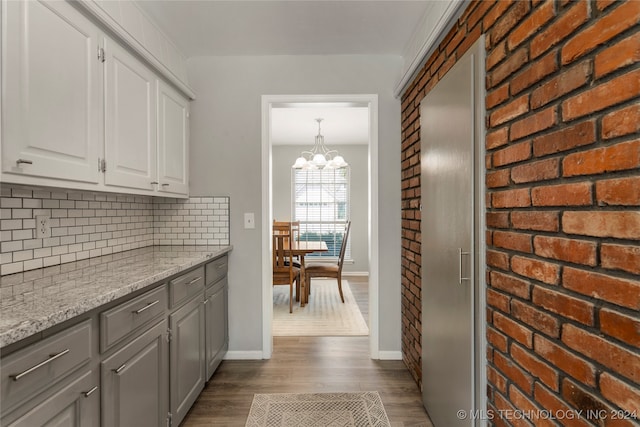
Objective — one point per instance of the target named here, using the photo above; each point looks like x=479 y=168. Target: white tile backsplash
x=88 y=224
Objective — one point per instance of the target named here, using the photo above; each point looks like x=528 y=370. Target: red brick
x=498 y=219
x=575 y=194
x=586 y=400
x=498 y=300
x=498 y=259
x=565 y=139
x=536 y=71
x=497 y=379
x=512 y=154
x=565 y=82
x=620 y=257
x=552 y=403
x=621 y=224
x=621 y=122
x=511 y=198
x=620 y=326
x=619 y=191
x=535 y=318
x=513 y=63
x=623 y=292
x=497 y=96
x=468 y=41
x=564 y=305
x=536 y=171
x=604 y=29
x=566 y=361
x=476 y=15
x=620 y=393
x=535 y=269
x=496 y=12
x=532 y=24
x=620 y=360
x=499 y=178
x=623 y=156
x=575 y=251
x=515 y=241
x=497 y=138
x=496 y=339
x=603 y=4
x=513 y=286
x=622 y=54
x=498 y=53
x=526 y=406
x=605 y=95
x=510 y=111
x=508 y=21
x=513 y=372
x=535 y=123
x=560 y=29
x=535 y=220
x=535 y=366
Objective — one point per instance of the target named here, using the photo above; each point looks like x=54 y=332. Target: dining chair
x=284 y=272
x=291 y=228
x=326 y=270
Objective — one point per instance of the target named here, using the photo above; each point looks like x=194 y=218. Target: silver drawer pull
x=146 y=307
x=460 y=254
x=90 y=392
x=221 y=266
x=51 y=358
x=118 y=370
x=24 y=162
x=194 y=280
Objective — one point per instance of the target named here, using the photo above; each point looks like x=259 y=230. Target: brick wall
x=563 y=197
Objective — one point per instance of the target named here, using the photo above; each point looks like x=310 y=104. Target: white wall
x=283 y=157
x=226 y=160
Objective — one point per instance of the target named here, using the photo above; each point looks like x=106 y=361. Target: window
x=321 y=203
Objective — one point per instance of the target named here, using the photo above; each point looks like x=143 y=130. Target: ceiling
x=295 y=27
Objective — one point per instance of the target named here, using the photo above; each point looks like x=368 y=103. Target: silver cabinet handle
x=118 y=370
x=460 y=278
x=90 y=392
x=146 y=307
x=51 y=358
x=24 y=161
x=194 y=280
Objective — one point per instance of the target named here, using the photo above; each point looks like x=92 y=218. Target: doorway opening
x=280 y=151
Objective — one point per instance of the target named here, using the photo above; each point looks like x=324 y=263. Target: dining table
x=300 y=248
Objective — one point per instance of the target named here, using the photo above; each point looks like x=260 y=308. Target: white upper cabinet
x=51 y=92
x=173 y=137
x=130 y=120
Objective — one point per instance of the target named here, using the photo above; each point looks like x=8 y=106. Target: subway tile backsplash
x=88 y=224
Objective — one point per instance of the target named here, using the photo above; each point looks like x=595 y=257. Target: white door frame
x=371 y=101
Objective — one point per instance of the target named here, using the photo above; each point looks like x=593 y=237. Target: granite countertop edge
x=23 y=323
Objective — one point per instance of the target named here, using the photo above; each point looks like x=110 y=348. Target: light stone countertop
x=33 y=301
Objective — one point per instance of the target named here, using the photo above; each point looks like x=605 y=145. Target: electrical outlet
x=43 y=226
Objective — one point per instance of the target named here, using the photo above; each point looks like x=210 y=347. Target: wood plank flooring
x=310 y=365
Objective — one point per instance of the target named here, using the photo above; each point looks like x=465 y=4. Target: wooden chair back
x=282 y=265
x=343 y=247
x=291 y=228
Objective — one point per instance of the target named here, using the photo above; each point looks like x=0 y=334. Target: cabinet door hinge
x=169 y=419
x=169 y=335
x=101 y=57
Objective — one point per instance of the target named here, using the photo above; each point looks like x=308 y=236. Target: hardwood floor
x=310 y=365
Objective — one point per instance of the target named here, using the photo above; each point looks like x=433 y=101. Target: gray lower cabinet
x=216 y=324
x=187 y=352
x=134 y=381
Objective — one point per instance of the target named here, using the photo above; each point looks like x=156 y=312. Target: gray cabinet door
x=187 y=364
x=134 y=385
x=216 y=325
x=75 y=404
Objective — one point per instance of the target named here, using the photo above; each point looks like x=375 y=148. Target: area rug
x=318 y=410
x=324 y=315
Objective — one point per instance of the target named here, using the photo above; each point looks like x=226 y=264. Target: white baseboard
x=243 y=355
x=347 y=274
x=390 y=355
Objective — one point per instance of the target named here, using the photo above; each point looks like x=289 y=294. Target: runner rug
x=318 y=410
x=324 y=315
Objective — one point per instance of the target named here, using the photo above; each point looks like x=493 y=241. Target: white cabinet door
x=52 y=92
x=173 y=138
x=130 y=121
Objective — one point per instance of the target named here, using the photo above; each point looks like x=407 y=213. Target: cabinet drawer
x=184 y=287
x=216 y=269
x=31 y=370
x=120 y=321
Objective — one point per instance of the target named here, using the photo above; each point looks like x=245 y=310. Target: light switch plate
x=249 y=220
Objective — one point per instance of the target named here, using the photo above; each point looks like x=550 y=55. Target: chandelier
x=319 y=157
